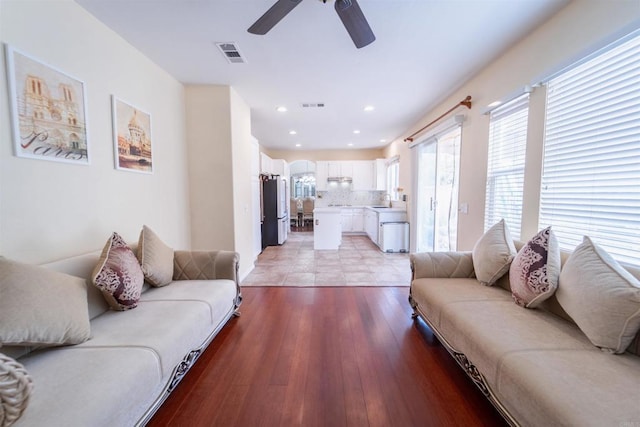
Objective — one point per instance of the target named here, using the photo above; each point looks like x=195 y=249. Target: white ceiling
x=424 y=50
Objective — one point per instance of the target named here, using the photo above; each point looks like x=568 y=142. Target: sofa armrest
x=441 y=264
x=205 y=265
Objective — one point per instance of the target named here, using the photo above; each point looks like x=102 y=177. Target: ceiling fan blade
x=272 y=16
x=354 y=21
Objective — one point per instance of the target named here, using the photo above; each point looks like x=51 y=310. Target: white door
x=437 y=193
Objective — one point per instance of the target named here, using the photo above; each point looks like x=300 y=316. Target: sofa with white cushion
x=91 y=362
x=551 y=338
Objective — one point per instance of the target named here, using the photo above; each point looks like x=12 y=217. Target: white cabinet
x=352 y=220
x=346 y=220
x=273 y=166
x=326 y=228
x=334 y=169
x=371 y=225
x=266 y=164
x=367 y=175
x=339 y=168
x=357 y=221
x=280 y=167
x=380 y=175
x=363 y=175
x=322 y=173
x=346 y=169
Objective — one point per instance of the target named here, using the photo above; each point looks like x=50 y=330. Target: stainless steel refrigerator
x=275 y=215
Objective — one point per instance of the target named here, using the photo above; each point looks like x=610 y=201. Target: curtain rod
x=465 y=102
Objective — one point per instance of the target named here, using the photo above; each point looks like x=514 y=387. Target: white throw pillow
x=535 y=271
x=41 y=307
x=155 y=257
x=493 y=253
x=601 y=297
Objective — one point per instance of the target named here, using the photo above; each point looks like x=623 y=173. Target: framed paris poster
x=131 y=137
x=48 y=110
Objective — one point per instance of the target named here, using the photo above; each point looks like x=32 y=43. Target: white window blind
x=505 y=169
x=591 y=177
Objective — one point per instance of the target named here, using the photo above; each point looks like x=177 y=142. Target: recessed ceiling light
x=356 y=131
x=383 y=140
x=298 y=145
x=369 y=108
x=350 y=144
x=281 y=109
x=292 y=132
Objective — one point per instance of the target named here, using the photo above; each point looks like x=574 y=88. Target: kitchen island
x=327 y=228
x=331 y=221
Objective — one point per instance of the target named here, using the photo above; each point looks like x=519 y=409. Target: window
x=591 y=176
x=505 y=169
x=303 y=186
x=393 y=179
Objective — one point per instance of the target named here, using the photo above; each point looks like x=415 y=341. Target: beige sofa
x=535 y=365
x=134 y=358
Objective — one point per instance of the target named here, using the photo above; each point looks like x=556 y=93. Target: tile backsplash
x=345 y=196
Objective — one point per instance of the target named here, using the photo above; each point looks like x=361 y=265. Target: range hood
x=340 y=179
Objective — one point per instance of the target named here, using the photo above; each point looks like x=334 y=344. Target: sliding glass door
x=438 y=165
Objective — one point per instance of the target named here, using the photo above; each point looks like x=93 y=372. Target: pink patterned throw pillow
x=535 y=271
x=118 y=274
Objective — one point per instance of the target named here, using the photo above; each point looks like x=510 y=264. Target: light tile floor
x=358 y=262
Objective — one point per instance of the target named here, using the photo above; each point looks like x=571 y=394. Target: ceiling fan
x=348 y=10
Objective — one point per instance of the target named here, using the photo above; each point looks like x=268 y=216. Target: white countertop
x=337 y=209
x=328 y=210
x=382 y=210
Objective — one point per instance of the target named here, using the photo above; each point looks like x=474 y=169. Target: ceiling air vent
x=312 y=104
x=231 y=52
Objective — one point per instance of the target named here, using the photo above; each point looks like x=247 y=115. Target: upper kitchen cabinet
x=280 y=167
x=333 y=168
x=363 y=175
x=339 y=169
x=271 y=166
x=367 y=175
x=322 y=173
x=266 y=164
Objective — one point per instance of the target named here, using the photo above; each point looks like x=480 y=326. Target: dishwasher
x=394 y=236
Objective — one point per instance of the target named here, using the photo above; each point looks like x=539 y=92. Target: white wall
x=579 y=28
x=210 y=166
x=242 y=191
x=50 y=210
x=220 y=142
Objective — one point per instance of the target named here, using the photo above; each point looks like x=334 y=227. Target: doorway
x=438 y=170
x=303 y=194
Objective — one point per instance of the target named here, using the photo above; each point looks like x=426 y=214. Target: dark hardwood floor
x=348 y=356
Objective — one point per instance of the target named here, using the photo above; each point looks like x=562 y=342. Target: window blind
x=505 y=166
x=591 y=176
